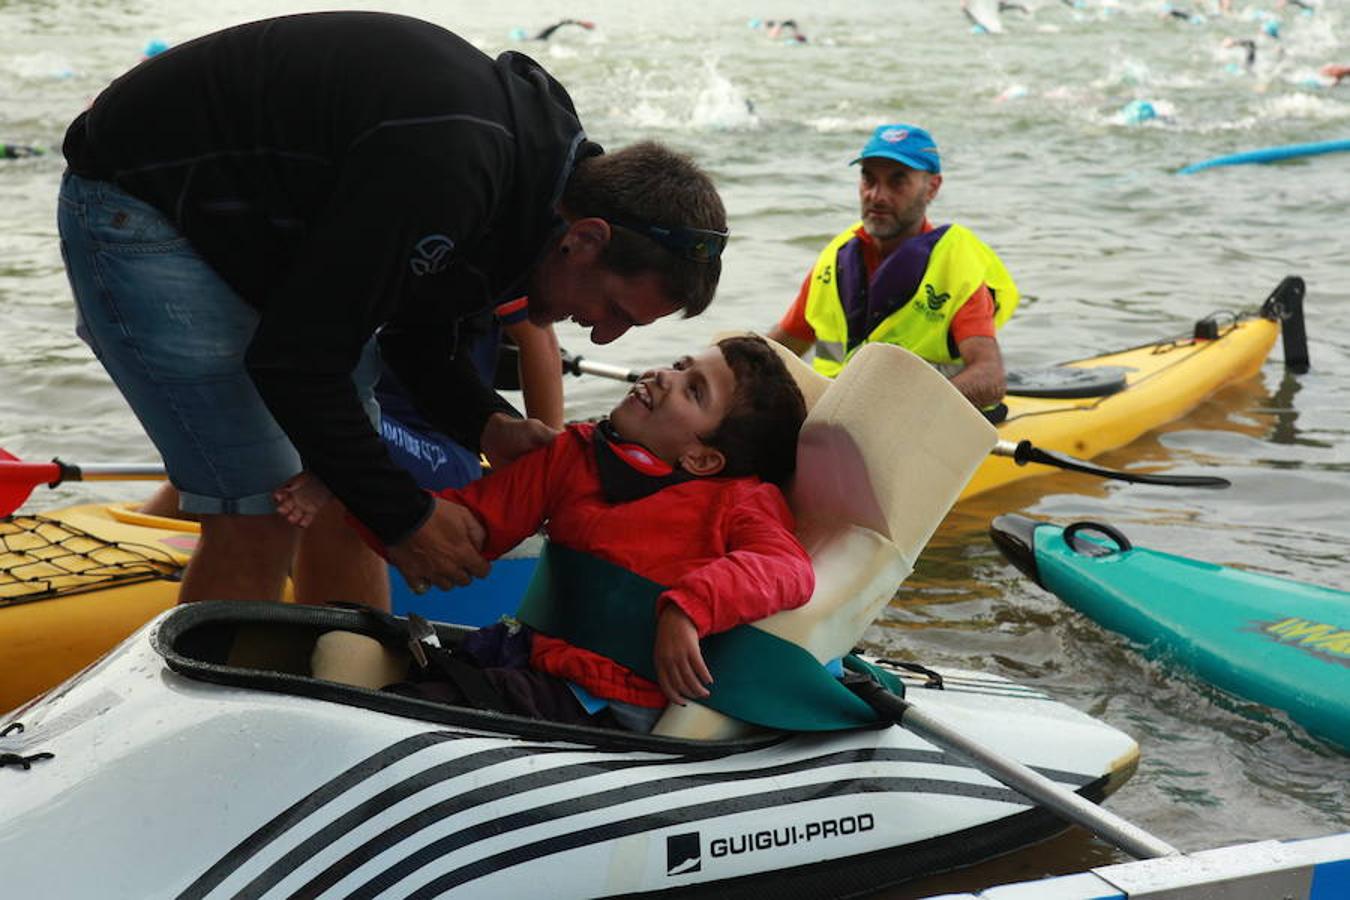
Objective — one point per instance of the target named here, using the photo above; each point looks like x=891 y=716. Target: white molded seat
x=886 y=450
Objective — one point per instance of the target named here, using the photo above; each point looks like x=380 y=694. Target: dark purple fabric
x=497 y=676
x=542 y=696
x=867 y=302
x=851 y=271
x=498 y=646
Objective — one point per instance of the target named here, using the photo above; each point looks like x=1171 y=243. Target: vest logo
x=684 y=853
x=826 y=275
x=432 y=255
x=935 y=300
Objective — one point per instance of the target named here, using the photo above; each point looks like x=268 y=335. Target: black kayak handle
x=1091 y=548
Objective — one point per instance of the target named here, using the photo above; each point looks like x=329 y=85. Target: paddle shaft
x=55 y=472
x=579 y=365
x=1063 y=802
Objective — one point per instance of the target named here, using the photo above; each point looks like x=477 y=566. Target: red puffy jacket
x=724 y=547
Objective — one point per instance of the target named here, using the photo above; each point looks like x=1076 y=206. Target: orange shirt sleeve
x=794 y=320
x=975 y=318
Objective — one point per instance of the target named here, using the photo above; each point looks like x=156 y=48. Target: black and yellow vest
x=909 y=301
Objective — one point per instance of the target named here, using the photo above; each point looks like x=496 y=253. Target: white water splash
x=722 y=106
x=39 y=67
x=1315 y=107
x=712 y=102
x=1125 y=73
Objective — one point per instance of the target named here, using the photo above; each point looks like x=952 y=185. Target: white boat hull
x=165 y=785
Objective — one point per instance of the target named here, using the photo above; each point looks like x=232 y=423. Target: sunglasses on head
x=698 y=245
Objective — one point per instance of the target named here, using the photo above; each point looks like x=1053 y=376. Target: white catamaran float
x=245 y=750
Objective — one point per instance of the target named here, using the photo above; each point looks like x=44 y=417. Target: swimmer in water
x=1247 y=44
x=1336 y=72
x=1269 y=28
x=20 y=151
x=547 y=33
x=978 y=26
x=778 y=29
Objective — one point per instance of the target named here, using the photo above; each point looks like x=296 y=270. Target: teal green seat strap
x=757 y=677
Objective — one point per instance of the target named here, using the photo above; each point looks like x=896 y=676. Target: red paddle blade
x=18 y=478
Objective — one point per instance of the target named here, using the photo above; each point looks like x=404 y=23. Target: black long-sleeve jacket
x=348 y=173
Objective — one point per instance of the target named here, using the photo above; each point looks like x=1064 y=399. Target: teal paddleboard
x=1279 y=642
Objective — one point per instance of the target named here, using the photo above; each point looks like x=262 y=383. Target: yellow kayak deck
x=1164 y=381
x=77 y=581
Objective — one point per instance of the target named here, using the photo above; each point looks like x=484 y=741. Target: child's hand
x=299 y=499
x=680 y=669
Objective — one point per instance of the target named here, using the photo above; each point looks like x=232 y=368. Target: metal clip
x=421 y=634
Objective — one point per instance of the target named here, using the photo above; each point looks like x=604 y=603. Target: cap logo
x=894 y=135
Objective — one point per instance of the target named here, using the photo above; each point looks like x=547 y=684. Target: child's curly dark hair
x=758 y=436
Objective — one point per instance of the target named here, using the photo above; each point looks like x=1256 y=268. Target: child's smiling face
x=671 y=410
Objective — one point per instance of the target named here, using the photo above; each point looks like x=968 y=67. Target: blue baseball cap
x=907 y=144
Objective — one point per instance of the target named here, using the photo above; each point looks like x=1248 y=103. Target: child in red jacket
x=680 y=486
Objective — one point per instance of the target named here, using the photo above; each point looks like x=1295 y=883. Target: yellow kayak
x=76 y=582
x=1162 y=381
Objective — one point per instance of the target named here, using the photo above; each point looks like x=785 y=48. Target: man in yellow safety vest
x=939 y=292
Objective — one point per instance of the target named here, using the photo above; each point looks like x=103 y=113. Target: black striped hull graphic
x=408 y=845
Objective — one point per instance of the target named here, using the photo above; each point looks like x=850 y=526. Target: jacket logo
x=935 y=300
x=431 y=255
x=400 y=438
x=684 y=853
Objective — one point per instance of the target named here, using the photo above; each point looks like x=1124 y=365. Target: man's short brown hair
x=758 y=436
x=652 y=184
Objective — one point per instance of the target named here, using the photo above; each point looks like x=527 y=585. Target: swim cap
x=1138 y=111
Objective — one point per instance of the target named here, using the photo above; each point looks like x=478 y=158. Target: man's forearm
x=983 y=385
x=982 y=381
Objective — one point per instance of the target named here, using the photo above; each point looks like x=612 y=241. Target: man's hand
x=680 y=669
x=505 y=438
x=445 y=552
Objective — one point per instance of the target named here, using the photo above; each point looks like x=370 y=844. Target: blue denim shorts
x=172 y=334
